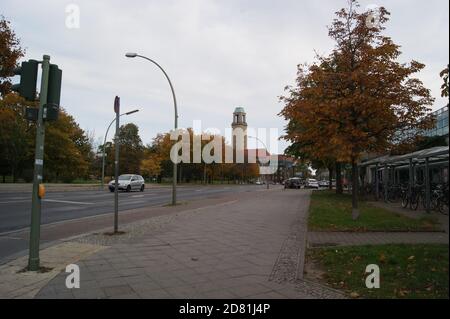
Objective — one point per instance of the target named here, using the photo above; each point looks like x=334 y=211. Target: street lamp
x=104 y=142
x=258 y=140
x=174 y=183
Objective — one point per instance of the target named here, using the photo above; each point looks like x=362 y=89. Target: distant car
x=312 y=183
x=293 y=183
x=324 y=183
x=258 y=183
x=128 y=182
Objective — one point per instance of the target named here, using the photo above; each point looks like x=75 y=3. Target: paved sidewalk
x=248 y=248
x=16 y=283
x=321 y=239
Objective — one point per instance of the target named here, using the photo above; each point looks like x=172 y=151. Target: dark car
x=293 y=183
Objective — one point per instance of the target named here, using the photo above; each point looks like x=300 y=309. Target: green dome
x=239 y=110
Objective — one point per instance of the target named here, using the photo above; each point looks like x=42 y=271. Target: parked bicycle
x=414 y=198
x=440 y=199
x=395 y=193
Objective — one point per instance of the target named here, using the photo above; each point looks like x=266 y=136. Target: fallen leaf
x=354 y=295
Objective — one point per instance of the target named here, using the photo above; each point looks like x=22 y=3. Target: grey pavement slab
x=224 y=251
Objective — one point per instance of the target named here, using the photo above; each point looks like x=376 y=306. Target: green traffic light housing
x=28 y=78
x=54 y=85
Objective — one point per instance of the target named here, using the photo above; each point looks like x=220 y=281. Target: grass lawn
x=406 y=271
x=331 y=212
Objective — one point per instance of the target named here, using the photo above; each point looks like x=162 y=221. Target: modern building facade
x=441 y=127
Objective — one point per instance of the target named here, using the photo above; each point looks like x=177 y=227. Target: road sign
x=117 y=105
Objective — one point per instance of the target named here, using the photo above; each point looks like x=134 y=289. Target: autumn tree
x=10 y=53
x=157 y=161
x=67 y=150
x=15 y=137
x=359 y=99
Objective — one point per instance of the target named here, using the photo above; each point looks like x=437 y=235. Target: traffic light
x=28 y=78
x=54 y=85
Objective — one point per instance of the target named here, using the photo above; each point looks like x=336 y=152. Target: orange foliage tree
x=359 y=99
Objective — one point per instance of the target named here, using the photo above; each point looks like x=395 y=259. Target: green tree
x=15 y=137
x=131 y=150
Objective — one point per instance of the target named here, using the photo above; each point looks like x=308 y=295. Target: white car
x=324 y=183
x=312 y=183
x=128 y=183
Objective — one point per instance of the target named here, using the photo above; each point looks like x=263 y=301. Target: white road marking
x=137 y=196
x=66 y=202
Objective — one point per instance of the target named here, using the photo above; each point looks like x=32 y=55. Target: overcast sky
x=219 y=54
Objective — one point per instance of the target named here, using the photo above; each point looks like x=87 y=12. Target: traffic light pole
x=35 y=231
x=116 y=173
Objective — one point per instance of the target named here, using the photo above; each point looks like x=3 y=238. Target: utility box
x=31 y=114
x=51 y=112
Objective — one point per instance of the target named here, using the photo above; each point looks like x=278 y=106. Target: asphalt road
x=15 y=208
x=60 y=208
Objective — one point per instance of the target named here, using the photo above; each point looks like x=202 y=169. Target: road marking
x=66 y=202
x=137 y=196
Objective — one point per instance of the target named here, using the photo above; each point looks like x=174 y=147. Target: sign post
x=116 y=166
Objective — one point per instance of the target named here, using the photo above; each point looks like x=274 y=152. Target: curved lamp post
x=258 y=140
x=174 y=183
x=104 y=142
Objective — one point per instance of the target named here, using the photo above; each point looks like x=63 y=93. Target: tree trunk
x=339 y=189
x=355 y=176
x=330 y=177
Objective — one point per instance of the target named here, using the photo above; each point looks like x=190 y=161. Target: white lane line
x=137 y=196
x=66 y=202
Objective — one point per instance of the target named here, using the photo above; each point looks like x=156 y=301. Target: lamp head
x=131 y=55
x=131 y=112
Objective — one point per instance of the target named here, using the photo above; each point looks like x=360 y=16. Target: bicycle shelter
x=416 y=165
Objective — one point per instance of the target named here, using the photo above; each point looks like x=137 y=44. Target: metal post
x=411 y=180
x=377 y=183
x=385 y=181
x=427 y=185
x=35 y=231
x=103 y=155
x=175 y=173
x=116 y=170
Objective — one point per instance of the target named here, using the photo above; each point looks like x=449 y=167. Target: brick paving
x=321 y=239
x=248 y=248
